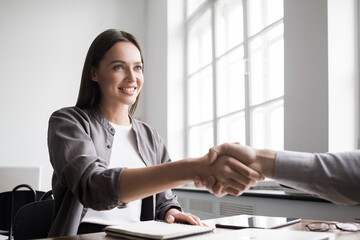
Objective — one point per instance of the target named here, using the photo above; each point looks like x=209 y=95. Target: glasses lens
x=318 y=226
x=350 y=227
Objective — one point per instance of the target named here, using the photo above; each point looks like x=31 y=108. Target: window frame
x=248 y=108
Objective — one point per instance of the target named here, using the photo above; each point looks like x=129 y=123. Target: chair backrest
x=34 y=220
x=11 y=202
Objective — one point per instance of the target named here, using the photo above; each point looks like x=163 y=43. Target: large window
x=234 y=74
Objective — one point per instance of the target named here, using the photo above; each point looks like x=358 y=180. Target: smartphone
x=248 y=221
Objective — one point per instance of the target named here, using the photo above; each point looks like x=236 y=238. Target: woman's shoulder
x=70 y=111
x=73 y=113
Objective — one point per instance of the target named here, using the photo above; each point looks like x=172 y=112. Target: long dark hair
x=89 y=93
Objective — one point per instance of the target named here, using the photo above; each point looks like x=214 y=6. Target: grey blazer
x=80 y=143
x=332 y=176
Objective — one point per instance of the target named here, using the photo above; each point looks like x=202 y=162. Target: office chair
x=11 y=202
x=34 y=220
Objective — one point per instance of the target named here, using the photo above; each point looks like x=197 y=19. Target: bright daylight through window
x=234 y=73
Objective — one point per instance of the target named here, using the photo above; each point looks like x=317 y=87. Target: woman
x=109 y=167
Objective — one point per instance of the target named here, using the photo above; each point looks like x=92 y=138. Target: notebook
x=155 y=230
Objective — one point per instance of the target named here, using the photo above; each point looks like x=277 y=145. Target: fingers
x=235 y=169
x=233 y=187
x=229 y=173
x=210 y=182
x=195 y=220
x=184 y=218
x=170 y=219
x=236 y=150
x=242 y=169
x=215 y=187
x=236 y=192
x=218 y=190
x=216 y=151
x=198 y=182
x=229 y=168
x=212 y=156
x=226 y=148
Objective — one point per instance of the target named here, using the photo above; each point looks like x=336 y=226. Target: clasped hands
x=235 y=168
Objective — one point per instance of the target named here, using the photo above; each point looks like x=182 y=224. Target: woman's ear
x=93 y=74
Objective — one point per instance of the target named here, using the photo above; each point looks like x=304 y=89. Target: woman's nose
x=131 y=76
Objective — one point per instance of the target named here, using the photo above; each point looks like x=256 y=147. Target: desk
x=340 y=235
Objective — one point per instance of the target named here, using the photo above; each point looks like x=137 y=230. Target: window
x=234 y=74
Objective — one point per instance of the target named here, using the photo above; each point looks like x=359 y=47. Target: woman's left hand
x=174 y=215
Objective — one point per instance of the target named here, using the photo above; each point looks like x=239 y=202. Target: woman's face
x=119 y=75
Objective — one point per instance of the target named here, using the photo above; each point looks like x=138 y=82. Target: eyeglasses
x=324 y=226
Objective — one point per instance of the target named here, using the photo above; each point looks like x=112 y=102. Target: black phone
x=246 y=221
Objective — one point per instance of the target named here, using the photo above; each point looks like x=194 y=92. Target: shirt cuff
x=293 y=167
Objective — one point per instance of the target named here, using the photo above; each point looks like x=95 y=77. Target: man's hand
x=260 y=161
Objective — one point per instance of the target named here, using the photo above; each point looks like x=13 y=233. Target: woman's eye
x=118 y=67
x=138 y=67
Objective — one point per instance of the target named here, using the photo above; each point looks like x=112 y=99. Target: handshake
x=232 y=168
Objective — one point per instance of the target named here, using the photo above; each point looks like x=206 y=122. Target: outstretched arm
x=332 y=176
x=143 y=182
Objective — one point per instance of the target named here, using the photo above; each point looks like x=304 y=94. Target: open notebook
x=155 y=230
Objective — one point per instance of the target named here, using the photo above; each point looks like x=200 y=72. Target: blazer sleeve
x=76 y=162
x=332 y=176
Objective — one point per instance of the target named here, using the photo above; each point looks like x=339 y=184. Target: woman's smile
x=129 y=90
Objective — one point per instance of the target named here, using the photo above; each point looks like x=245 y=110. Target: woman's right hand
x=225 y=174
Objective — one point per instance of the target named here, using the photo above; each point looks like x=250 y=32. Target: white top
x=123 y=154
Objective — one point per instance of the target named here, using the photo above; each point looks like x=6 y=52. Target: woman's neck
x=118 y=115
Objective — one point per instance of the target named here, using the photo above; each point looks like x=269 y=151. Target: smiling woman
x=89 y=95
x=108 y=166
x=120 y=78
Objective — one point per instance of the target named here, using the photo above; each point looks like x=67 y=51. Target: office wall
x=43 y=44
x=343 y=74
x=306 y=75
x=321 y=75
x=155 y=85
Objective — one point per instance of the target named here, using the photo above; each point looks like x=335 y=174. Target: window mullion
x=213 y=34
x=186 y=84
x=246 y=77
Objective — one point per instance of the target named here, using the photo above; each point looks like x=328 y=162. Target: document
x=155 y=230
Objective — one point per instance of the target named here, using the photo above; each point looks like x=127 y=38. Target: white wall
x=175 y=76
x=321 y=75
x=43 y=44
x=343 y=74
x=306 y=75
x=155 y=84
x=163 y=98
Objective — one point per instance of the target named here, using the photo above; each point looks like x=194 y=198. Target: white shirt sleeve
x=332 y=176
